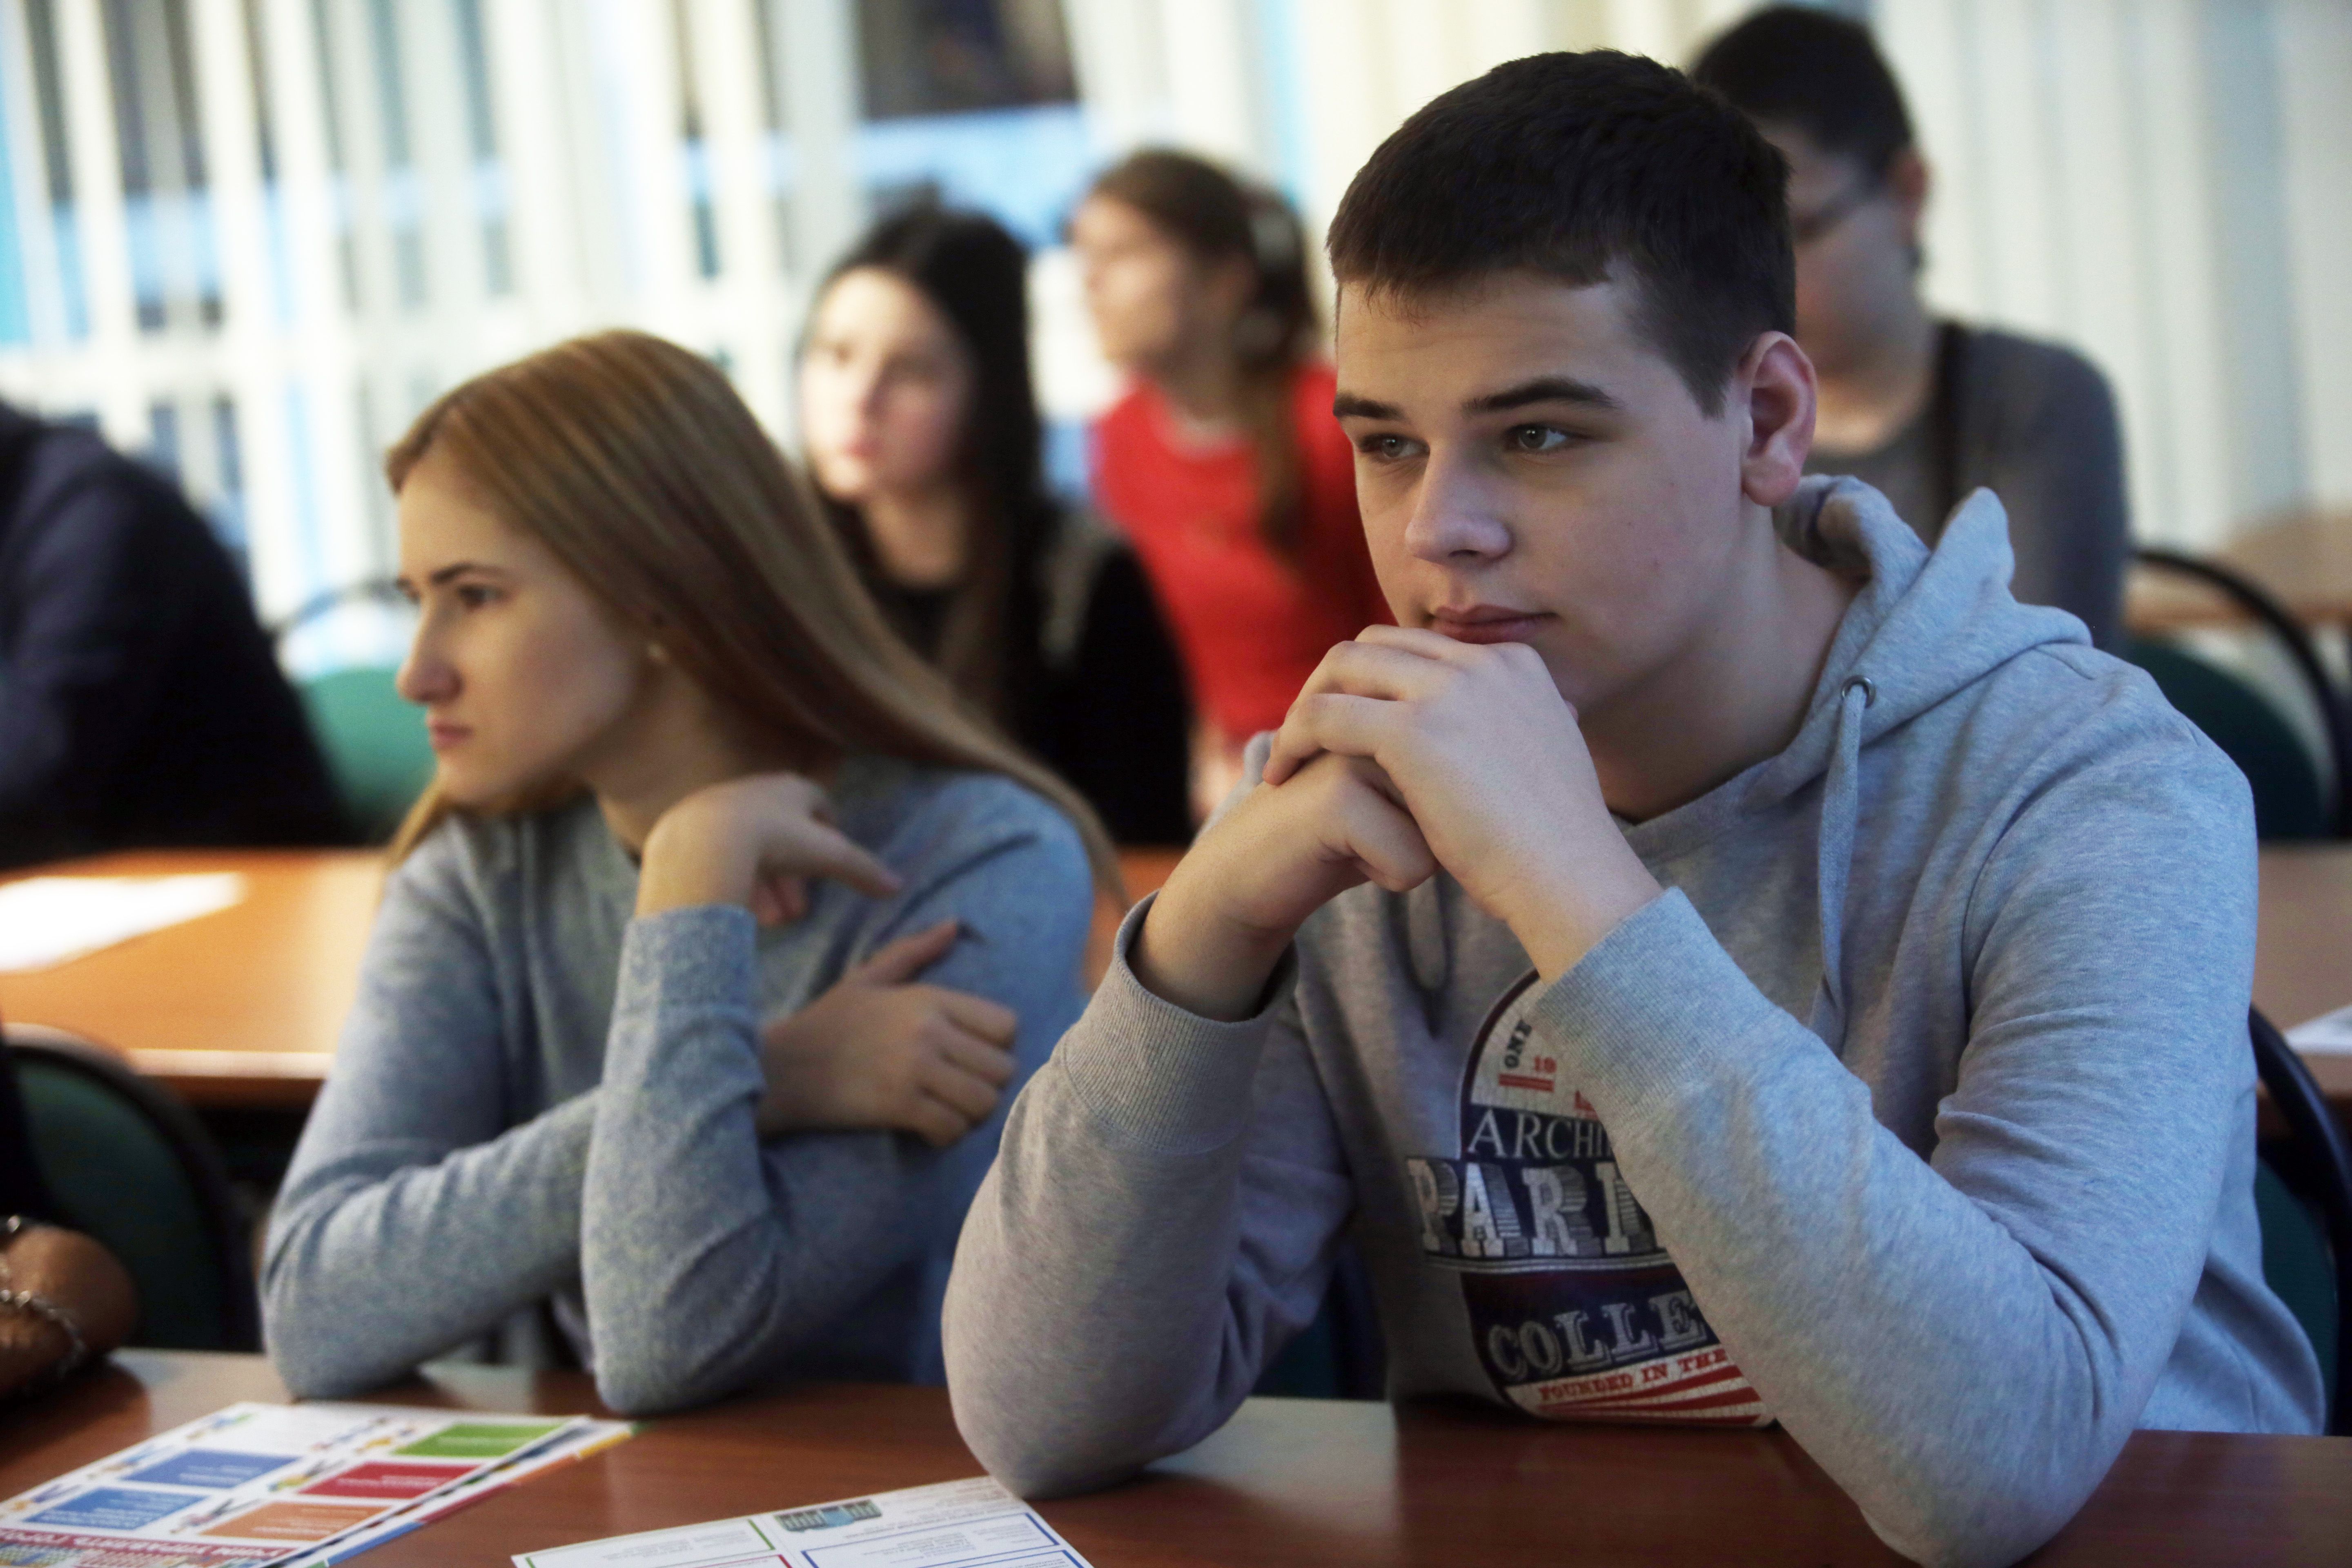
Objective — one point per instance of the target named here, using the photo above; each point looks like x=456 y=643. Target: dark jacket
x=1094 y=688
x=140 y=703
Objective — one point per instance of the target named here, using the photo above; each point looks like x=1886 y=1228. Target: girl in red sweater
x=1222 y=464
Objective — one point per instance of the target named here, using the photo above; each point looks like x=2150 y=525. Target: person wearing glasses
x=1926 y=410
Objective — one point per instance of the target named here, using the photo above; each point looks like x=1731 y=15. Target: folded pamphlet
x=2330 y=1033
x=274 y=1485
x=956 y=1524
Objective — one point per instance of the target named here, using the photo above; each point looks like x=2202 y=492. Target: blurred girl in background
x=921 y=431
x=1223 y=463
x=638 y=1034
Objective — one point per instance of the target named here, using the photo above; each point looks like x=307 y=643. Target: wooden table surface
x=243 y=1007
x=1289 y=1482
x=2305 y=562
x=2302 y=955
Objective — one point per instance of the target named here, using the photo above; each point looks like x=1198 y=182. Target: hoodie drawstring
x=1840 y=803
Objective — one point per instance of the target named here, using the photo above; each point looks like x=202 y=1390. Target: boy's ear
x=1908 y=182
x=1773 y=387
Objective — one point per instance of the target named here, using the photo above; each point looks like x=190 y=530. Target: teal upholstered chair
x=127 y=1165
x=374 y=745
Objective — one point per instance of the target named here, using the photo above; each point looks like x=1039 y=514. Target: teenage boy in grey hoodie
x=1795 y=982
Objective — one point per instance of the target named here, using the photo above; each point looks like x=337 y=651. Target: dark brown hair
x=1792 y=65
x=636 y=464
x=1585 y=167
x=1217 y=218
x=976 y=275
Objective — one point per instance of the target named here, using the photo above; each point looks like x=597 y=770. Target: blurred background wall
x=252 y=238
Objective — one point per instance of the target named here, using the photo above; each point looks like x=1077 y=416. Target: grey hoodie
x=1917 y=1115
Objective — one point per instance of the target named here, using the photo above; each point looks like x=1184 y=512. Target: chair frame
x=189 y=1142
x=2320 y=1171
x=2334 y=705
x=367 y=591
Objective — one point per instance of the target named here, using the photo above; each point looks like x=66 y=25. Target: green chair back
x=132 y=1169
x=375 y=742
x=2297 y=1264
x=2288 y=800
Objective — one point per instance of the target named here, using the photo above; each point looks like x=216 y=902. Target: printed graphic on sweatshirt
x=1577 y=1311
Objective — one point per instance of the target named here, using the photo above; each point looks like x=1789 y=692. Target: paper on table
x=950 y=1525
x=45 y=920
x=585 y=1438
x=2330 y=1033
x=255 y=1486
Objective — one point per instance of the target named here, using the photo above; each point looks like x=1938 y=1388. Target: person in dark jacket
x=1924 y=411
x=140 y=703
x=922 y=436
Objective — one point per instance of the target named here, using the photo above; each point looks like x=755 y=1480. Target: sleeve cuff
x=1654 y=1007
x=1165 y=1080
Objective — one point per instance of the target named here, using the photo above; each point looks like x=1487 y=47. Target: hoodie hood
x=1926 y=624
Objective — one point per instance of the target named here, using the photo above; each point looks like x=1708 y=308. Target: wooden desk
x=243 y=1007
x=239 y=1008
x=2302 y=955
x=1289 y=1482
x=2304 y=561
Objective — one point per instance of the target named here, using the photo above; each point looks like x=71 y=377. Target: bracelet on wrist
x=32 y=1304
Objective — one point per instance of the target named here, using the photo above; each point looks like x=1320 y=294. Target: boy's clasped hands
x=1407 y=752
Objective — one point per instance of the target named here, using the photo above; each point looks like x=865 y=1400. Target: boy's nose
x=1452 y=517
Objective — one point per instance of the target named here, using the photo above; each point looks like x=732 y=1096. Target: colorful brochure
x=957 y=1524
x=270 y=1486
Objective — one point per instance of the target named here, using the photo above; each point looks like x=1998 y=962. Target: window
x=150 y=66
x=972 y=103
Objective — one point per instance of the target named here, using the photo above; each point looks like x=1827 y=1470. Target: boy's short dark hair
x=1795 y=66
x=1572 y=166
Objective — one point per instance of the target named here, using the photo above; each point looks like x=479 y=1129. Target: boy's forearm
x=1087 y=1319
x=1966 y=1390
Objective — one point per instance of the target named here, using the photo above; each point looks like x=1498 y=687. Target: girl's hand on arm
x=880 y=1052
x=753 y=842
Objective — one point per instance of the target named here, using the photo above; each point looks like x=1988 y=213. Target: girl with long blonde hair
x=640 y=1035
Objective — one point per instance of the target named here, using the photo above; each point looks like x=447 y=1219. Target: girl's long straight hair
x=976 y=275
x=636 y=464
x=1217 y=218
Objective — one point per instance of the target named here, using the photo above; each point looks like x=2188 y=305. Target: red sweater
x=1251 y=626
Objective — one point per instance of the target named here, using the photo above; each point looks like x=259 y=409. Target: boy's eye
x=1537 y=438
x=474 y=595
x=1386 y=448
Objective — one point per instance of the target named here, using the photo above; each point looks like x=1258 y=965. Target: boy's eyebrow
x=456 y=570
x=1348 y=405
x=1542 y=389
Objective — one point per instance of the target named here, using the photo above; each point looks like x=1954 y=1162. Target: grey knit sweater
x=538 y=1098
